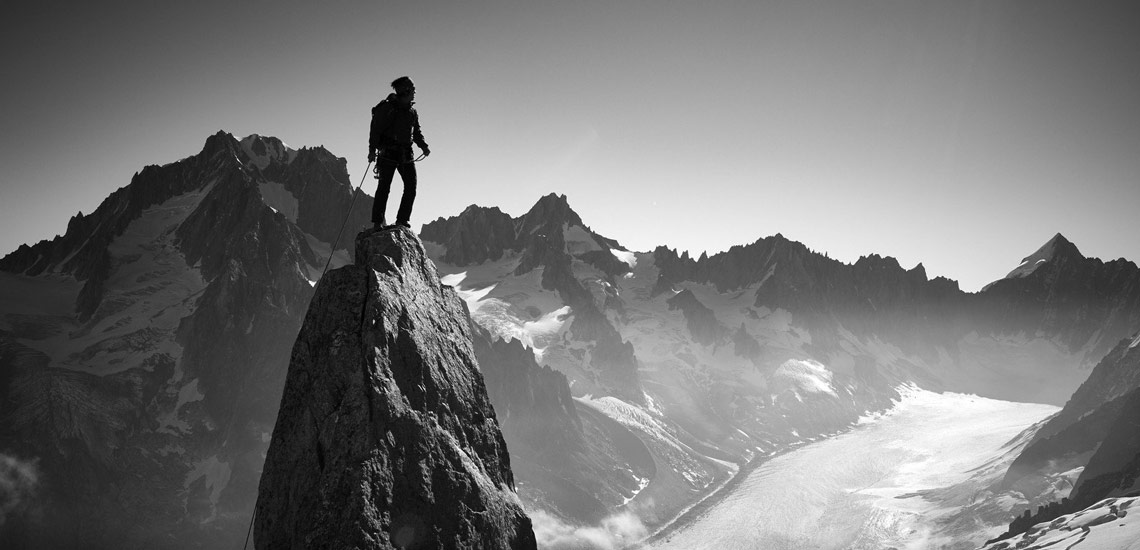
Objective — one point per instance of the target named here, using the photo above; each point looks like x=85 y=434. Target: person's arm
x=418 y=136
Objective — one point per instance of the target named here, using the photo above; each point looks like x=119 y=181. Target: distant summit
x=1056 y=247
x=263 y=150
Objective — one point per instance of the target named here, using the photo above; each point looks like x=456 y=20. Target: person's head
x=405 y=89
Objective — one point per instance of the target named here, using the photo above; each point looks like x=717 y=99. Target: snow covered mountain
x=142 y=352
x=751 y=351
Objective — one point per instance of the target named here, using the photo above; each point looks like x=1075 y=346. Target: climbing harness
x=397 y=163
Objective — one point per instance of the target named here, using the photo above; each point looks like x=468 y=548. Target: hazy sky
x=962 y=135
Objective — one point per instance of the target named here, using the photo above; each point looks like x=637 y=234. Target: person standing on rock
x=395 y=126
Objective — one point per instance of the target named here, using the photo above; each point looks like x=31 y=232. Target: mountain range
x=143 y=353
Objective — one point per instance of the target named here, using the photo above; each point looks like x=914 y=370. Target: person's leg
x=408 y=174
x=385 y=170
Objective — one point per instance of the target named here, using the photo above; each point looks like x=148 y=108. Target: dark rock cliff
x=1099 y=429
x=532 y=401
x=1115 y=467
x=1079 y=428
x=699 y=319
x=478 y=234
x=577 y=464
x=386 y=437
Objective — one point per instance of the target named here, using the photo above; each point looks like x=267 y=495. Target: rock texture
x=385 y=436
x=576 y=464
x=551 y=237
x=1085 y=305
x=1099 y=430
x=143 y=352
x=1074 y=433
x=1115 y=467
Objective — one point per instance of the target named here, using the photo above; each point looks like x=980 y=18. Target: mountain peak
x=1055 y=248
x=554 y=198
x=221 y=140
x=550 y=210
x=262 y=150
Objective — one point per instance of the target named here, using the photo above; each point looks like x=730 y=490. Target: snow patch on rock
x=629 y=258
x=280 y=199
x=216 y=474
x=805 y=375
x=263 y=150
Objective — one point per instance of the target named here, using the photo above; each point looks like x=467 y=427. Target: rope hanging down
x=250 y=530
x=346 y=216
x=332 y=251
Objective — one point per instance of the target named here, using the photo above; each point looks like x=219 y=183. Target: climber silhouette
x=395 y=125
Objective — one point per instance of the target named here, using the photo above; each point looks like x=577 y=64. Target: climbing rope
x=347 y=215
x=250 y=530
x=332 y=251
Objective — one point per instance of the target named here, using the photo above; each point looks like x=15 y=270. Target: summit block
x=386 y=437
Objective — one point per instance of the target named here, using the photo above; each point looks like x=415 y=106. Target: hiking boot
x=379 y=226
x=403 y=224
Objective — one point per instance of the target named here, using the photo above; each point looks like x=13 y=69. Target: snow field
x=858 y=490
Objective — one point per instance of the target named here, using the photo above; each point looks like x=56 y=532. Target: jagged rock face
x=551 y=238
x=1083 y=302
x=700 y=320
x=145 y=370
x=810 y=284
x=1115 y=467
x=1070 y=438
x=532 y=402
x=475 y=236
x=578 y=465
x=1112 y=471
x=874 y=297
x=1116 y=375
x=385 y=437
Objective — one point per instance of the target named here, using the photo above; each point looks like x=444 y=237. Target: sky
x=960 y=135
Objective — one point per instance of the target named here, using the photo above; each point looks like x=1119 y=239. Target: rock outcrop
x=1071 y=436
x=700 y=320
x=1098 y=430
x=386 y=437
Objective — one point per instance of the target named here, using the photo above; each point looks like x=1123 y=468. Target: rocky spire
x=386 y=437
x=1057 y=248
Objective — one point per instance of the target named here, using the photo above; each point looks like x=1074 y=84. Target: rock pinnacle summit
x=386 y=437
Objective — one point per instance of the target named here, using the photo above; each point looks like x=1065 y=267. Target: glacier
x=882 y=484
